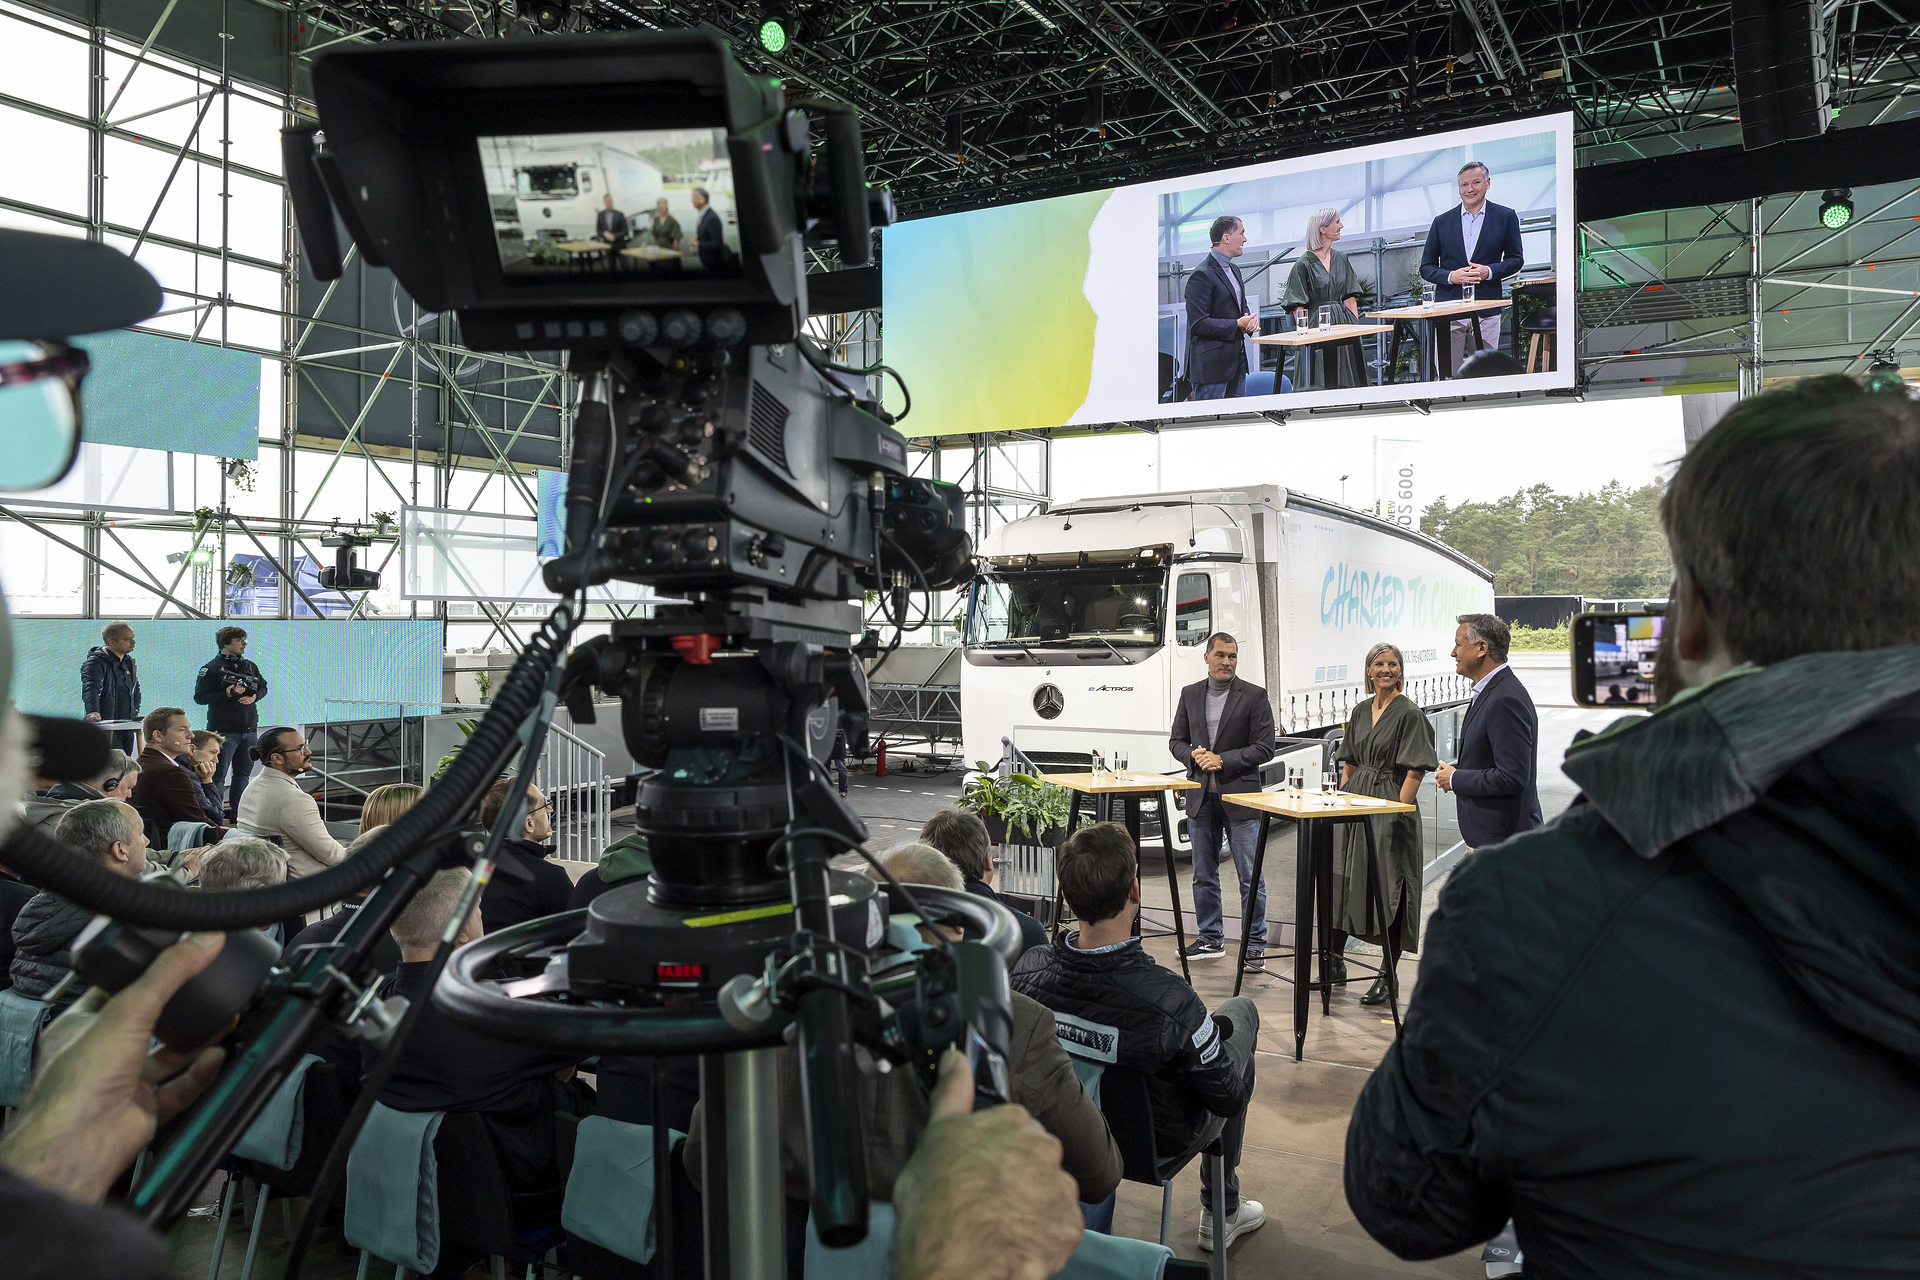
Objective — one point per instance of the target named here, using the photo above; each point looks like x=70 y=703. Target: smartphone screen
x=1613 y=658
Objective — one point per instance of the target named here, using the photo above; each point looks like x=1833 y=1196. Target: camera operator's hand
x=984 y=1196
x=100 y=1094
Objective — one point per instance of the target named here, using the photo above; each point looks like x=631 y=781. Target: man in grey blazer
x=1223 y=733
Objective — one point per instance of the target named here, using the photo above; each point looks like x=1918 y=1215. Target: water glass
x=1099 y=764
x=1119 y=761
x=1324 y=316
x=1427 y=295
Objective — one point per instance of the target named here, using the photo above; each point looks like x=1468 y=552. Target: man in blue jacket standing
x=230 y=688
x=110 y=683
x=1470 y=249
x=1493 y=781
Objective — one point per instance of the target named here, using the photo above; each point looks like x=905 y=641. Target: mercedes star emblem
x=1049 y=701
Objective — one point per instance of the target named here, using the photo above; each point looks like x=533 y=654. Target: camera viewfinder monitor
x=1613 y=658
x=644 y=204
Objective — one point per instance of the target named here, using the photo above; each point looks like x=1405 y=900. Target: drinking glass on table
x=1099 y=764
x=1324 y=316
x=1119 y=762
x=1427 y=292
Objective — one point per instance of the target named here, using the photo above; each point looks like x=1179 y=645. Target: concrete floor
x=1296 y=1128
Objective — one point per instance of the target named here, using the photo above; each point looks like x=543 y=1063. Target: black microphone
x=70 y=750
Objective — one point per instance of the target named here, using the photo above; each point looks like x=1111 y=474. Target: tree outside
x=1606 y=545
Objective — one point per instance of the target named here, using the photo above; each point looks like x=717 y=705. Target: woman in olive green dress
x=1325 y=277
x=1387 y=749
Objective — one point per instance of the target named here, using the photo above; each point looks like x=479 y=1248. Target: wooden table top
x=1311 y=337
x=1312 y=805
x=1440 y=310
x=652 y=252
x=583 y=246
x=1133 y=782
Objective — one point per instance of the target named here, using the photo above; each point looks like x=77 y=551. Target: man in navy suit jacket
x=1218 y=317
x=1493 y=783
x=1470 y=249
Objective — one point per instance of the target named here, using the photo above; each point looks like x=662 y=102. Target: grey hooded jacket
x=1676 y=1032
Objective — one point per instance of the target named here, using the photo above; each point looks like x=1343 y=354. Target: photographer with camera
x=230 y=687
x=1700 y=1055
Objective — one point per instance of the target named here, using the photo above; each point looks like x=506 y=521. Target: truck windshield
x=1121 y=606
x=548 y=182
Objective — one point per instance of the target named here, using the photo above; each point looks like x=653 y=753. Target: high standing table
x=1441 y=352
x=1313 y=881
x=1103 y=787
x=1310 y=338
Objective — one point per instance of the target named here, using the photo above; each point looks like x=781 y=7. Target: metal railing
x=572 y=773
x=573 y=776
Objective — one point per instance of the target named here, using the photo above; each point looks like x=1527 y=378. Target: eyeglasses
x=39 y=411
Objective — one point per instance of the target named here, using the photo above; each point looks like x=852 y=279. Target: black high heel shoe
x=1377 y=993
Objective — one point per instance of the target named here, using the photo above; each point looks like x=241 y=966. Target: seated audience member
x=447 y=1066
x=274 y=805
x=15 y=893
x=202 y=760
x=506 y=902
x=1039 y=1077
x=120 y=786
x=50 y=800
x=1698 y=1055
x=243 y=862
x=110 y=832
x=384 y=804
x=386 y=953
x=625 y=859
x=167 y=793
x=1099 y=980
x=961 y=835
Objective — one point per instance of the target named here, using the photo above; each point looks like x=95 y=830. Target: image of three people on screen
x=1227 y=298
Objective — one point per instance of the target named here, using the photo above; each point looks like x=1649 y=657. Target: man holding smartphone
x=1674 y=1032
x=230 y=688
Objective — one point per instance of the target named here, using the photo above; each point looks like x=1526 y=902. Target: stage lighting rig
x=1836 y=208
x=549 y=15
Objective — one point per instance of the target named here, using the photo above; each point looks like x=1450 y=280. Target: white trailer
x=1085 y=622
x=559 y=191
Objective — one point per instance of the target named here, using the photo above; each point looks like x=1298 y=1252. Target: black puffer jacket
x=1122 y=1007
x=1676 y=1032
x=225 y=712
x=43 y=935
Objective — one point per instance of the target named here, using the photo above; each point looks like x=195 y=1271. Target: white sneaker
x=1250 y=1216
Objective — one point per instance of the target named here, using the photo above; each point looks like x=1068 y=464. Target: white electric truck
x=1084 y=623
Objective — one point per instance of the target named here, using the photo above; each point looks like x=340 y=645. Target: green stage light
x=1836 y=209
x=776 y=33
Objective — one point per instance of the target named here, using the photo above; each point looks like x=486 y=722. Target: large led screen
x=1411 y=270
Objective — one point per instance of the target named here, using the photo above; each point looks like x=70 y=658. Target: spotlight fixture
x=549 y=15
x=956 y=138
x=1094 y=108
x=1836 y=208
x=777 y=31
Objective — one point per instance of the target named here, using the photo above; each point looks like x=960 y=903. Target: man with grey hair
x=243 y=862
x=447 y=1066
x=111 y=833
x=1673 y=1032
x=110 y=683
x=962 y=837
x=1470 y=249
x=1493 y=775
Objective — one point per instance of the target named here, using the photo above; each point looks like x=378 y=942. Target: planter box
x=997 y=833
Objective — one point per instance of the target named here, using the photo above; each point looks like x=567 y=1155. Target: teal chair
x=22 y=1019
x=610 y=1191
x=281 y=1151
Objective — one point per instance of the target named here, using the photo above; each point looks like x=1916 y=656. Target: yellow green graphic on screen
x=988 y=309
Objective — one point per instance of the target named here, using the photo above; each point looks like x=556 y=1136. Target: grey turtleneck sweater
x=1216 y=705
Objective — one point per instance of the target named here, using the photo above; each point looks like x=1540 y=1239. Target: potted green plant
x=446 y=761
x=383 y=522
x=1019 y=807
x=484 y=682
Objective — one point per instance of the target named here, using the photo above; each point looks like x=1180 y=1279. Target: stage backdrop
x=1072 y=310
x=305 y=663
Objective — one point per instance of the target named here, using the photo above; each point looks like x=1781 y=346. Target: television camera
x=718 y=456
